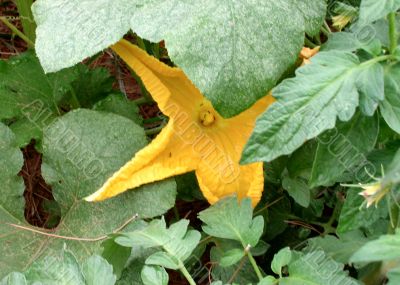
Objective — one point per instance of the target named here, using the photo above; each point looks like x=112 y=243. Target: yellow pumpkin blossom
x=196 y=137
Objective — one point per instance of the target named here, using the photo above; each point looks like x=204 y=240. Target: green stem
x=187 y=275
x=309 y=43
x=154 y=131
x=25 y=13
x=15 y=30
x=141 y=101
x=394 y=217
x=376 y=60
x=254 y=264
x=392 y=32
x=153 y=120
x=74 y=101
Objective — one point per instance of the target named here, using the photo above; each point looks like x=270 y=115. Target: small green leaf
x=231 y=257
x=244 y=272
x=281 y=259
x=372 y=10
x=269 y=280
x=97 y=271
x=387 y=247
x=390 y=107
x=163 y=259
x=177 y=242
x=154 y=275
x=132 y=273
x=91 y=85
x=116 y=255
x=308 y=104
x=298 y=190
x=231 y=220
x=120 y=105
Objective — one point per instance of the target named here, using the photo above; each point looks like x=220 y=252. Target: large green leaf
x=11 y=205
x=63 y=269
x=311 y=102
x=81 y=150
x=69 y=31
x=29 y=97
x=390 y=107
x=237 y=54
x=343 y=150
x=393 y=172
x=339 y=248
x=239 y=50
x=387 y=247
x=315 y=268
x=372 y=10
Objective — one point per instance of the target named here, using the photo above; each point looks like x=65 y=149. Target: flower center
x=207 y=118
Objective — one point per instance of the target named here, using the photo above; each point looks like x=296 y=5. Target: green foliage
x=31 y=100
x=390 y=107
x=154 y=275
x=63 y=268
x=371 y=10
x=341 y=153
x=230 y=220
x=76 y=163
x=330 y=144
x=385 y=248
x=311 y=102
x=353 y=216
x=235 y=40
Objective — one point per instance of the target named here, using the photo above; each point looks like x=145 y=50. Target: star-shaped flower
x=196 y=137
x=373 y=193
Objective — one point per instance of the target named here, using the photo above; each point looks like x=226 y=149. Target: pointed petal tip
x=91 y=198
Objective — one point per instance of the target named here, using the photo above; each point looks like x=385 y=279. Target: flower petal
x=226 y=180
x=166 y=156
x=168 y=86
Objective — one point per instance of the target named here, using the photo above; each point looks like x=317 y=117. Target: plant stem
x=140 y=101
x=15 y=30
x=187 y=275
x=25 y=13
x=394 y=217
x=154 y=131
x=75 y=101
x=392 y=32
x=309 y=43
x=254 y=264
